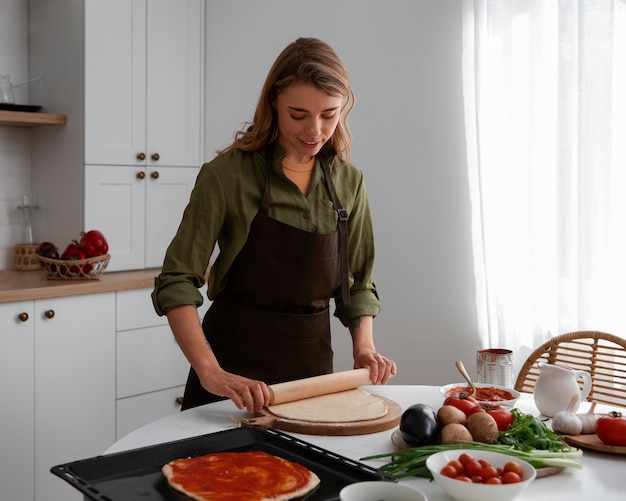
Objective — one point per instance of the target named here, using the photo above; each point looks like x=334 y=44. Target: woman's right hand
x=245 y=393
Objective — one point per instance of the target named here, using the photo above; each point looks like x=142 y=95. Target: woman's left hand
x=381 y=368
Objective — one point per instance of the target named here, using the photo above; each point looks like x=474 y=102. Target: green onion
x=411 y=462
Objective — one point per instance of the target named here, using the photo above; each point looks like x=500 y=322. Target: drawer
x=135 y=412
x=135 y=310
x=148 y=360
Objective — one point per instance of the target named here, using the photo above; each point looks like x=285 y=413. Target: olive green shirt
x=226 y=198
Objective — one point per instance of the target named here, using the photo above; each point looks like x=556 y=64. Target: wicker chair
x=602 y=355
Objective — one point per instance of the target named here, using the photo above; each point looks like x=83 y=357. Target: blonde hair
x=304 y=61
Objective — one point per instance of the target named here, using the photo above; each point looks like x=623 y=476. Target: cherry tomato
x=465 y=458
x=510 y=477
x=514 y=467
x=493 y=480
x=474 y=468
x=611 y=429
x=468 y=469
x=449 y=471
x=456 y=464
x=489 y=471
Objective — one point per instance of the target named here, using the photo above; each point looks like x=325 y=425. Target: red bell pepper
x=73 y=252
x=93 y=243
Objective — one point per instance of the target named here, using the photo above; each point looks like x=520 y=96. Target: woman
x=292 y=221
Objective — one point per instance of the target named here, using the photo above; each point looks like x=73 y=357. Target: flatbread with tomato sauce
x=234 y=476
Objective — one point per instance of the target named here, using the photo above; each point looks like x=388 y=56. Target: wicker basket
x=83 y=269
x=26 y=257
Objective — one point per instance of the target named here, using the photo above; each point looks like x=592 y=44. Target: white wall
x=404 y=58
x=14 y=142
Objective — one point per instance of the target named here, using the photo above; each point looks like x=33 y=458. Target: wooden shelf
x=25 y=119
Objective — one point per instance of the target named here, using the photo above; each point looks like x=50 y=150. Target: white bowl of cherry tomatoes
x=474 y=475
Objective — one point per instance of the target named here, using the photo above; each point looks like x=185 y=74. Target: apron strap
x=342 y=226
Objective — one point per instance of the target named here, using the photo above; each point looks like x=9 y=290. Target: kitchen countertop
x=29 y=285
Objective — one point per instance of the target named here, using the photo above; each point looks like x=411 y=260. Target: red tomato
x=611 y=429
x=449 y=471
x=510 y=477
x=462 y=402
x=463 y=478
x=465 y=458
x=456 y=464
x=493 y=480
x=514 y=467
x=503 y=416
x=474 y=468
x=489 y=471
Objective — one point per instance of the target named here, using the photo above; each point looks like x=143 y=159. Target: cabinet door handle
x=141 y=174
x=155 y=157
x=23 y=317
x=141 y=156
x=179 y=400
x=49 y=313
x=155 y=175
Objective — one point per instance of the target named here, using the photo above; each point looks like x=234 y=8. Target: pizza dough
x=233 y=476
x=341 y=407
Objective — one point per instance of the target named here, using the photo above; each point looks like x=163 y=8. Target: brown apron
x=272 y=320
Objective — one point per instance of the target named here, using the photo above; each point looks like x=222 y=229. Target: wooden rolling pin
x=318 y=385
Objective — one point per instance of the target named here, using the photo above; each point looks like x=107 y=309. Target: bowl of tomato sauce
x=487 y=393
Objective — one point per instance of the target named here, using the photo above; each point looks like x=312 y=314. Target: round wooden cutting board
x=591 y=441
x=269 y=420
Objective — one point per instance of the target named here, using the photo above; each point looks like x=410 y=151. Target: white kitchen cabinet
x=129 y=77
x=58 y=384
x=151 y=368
x=74 y=385
x=143 y=82
x=17 y=394
x=138 y=209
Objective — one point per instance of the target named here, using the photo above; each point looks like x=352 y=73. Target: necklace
x=298 y=171
x=308 y=167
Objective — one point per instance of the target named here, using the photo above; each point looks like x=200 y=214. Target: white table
x=603 y=476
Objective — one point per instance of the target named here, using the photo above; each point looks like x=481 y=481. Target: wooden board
x=269 y=420
x=591 y=441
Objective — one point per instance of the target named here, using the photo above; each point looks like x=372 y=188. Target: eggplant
x=419 y=426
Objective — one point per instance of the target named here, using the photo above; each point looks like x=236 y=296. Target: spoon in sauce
x=461 y=367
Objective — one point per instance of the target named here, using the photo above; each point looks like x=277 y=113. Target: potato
x=449 y=414
x=483 y=428
x=453 y=432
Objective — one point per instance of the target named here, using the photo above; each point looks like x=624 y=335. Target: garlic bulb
x=589 y=422
x=567 y=423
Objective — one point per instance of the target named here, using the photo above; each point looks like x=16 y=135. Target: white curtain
x=545 y=99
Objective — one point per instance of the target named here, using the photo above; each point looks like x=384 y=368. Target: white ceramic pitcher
x=557 y=389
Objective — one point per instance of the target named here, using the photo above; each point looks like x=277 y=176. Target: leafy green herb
x=527 y=433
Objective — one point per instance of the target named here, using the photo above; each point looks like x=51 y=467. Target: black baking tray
x=19 y=107
x=136 y=474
